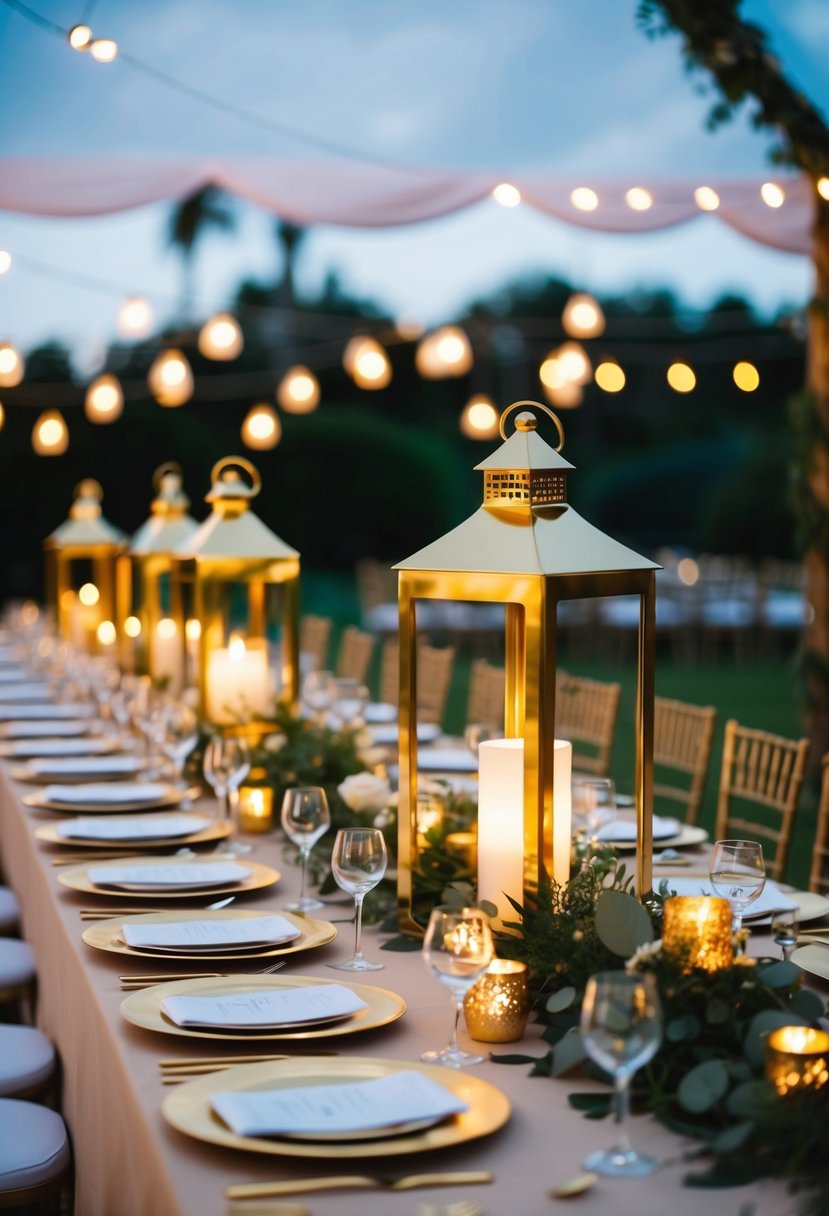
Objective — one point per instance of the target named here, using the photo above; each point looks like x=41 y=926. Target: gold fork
x=132 y=983
x=297 y=1186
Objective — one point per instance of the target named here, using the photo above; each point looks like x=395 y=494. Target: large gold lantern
x=527 y=549
x=235 y=603
x=81 y=557
x=150 y=640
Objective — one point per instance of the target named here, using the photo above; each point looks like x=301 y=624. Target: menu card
x=625 y=829
x=20 y=713
x=771 y=898
x=69 y=766
x=360 y=1105
x=125 y=827
x=24 y=692
x=58 y=747
x=211 y=933
x=160 y=876
x=447 y=760
x=107 y=791
x=277 y=1007
x=32 y=730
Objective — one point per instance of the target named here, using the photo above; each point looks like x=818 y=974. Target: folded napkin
x=172 y=876
x=386 y=735
x=126 y=827
x=326 y=1109
x=59 y=747
x=211 y=934
x=36 y=730
x=625 y=829
x=13 y=673
x=771 y=898
x=447 y=760
x=66 y=766
x=24 y=713
x=258 y=1009
x=107 y=792
x=24 y=692
x=379 y=711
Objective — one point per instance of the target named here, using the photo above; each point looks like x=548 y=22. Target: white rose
x=365 y=792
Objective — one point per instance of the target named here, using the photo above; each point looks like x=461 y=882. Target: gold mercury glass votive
x=696 y=932
x=464 y=845
x=497 y=1005
x=797 y=1058
x=255 y=808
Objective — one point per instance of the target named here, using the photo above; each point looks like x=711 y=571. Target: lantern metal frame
x=527 y=549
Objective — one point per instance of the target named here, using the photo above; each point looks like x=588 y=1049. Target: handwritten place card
x=211 y=933
x=279 y=1007
x=68 y=766
x=447 y=760
x=325 y=1109
x=625 y=829
x=107 y=791
x=125 y=827
x=160 y=877
x=771 y=898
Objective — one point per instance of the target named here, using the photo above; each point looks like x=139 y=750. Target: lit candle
x=696 y=932
x=255 y=808
x=497 y=1005
x=238 y=681
x=797 y=1058
x=165 y=660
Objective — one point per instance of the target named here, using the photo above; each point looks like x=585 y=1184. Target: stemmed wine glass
x=621 y=1028
x=738 y=873
x=784 y=929
x=226 y=764
x=319 y=689
x=594 y=800
x=457 y=949
x=181 y=734
x=350 y=699
x=358 y=862
x=305 y=818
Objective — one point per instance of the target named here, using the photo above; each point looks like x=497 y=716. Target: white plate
x=687 y=836
x=813 y=958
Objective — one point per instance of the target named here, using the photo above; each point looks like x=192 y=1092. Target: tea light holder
x=696 y=932
x=497 y=1006
x=255 y=808
x=797 y=1059
x=463 y=845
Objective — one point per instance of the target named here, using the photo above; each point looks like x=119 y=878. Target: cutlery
x=109 y=913
x=269 y=1209
x=187 y=1071
x=131 y=983
x=298 y=1186
x=465 y=1207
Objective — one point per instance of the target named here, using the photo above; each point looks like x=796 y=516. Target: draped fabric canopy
x=367 y=195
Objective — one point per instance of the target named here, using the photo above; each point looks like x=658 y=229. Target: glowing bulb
x=170 y=378
x=106 y=633
x=89 y=595
x=582 y=316
x=50 y=434
x=507 y=195
x=446 y=352
x=573 y=363
x=2 y=416
x=823 y=187
x=639 y=199
x=681 y=378
x=79 y=37
x=567 y=396
x=609 y=377
x=12 y=365
x=135 y=317
x=192 y=629
x=706 y=198
x=479 y=419
x=5 y=260
x=298 y=392
x=221 y=338
x=584 y=199
x=367 y=363
x=688 y=571
x=103 y=49
x=132 y=627
x=551 y=373
x=261 y=429
x=746 y=376
x=104 y=400
x=772 y=194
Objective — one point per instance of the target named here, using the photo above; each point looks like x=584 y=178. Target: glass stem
x=358 y=925
x=303 y=853
x=224 y=809
x=453 y=1038
x=621 y=1106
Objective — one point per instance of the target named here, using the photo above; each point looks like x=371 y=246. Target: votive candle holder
x=797 y=1059
x=255 y=808
x=497 y=1006
x=696 y=932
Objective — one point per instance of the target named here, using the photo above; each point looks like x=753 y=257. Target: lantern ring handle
x=537 y=405
x=238 y=462
x=169 y=466
x=88 y=488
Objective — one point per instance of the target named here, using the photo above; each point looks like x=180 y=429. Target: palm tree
x=188 y=222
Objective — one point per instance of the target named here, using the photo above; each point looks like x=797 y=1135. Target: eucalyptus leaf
x=561 y=1000
x=808 y=1004
x=680 y=1030
x=568 y=1053
x=751 y=1099
x=490 y=908
x=703 y=1086
x=717 y=1012
x=761 y=1026
x=779 y=974
x=622 y=924
x=594 y=1106
x=733 y=1137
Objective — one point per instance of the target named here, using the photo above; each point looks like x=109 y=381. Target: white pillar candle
x=165 y=663
x=562 y=810
x=238 y=681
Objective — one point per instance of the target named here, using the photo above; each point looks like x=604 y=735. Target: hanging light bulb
x=261 y=429
x=609 y=376
x=479 y=419
x=170 y=378
x=12 y=365
x=135 y=317
x=582 y=316
x=50 y=434
x=551 y=373
x=567 y=396
x=298 y=392
x=104 y=401
x=221 y=338
x=446 y=352
x=370 y=367
x=352 y=350
x=574 y=363
x=5 y=260
x=681 y=377
x=105 y=50
x=79 y=37
x=506 y=194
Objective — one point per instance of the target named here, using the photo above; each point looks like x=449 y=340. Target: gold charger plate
x=813 y=958
x=214 y=830
x=29 y=748
x=143 y=1008
x=24 y=774
x=173 y=797
x=106 y=935
x=258 y=876
x=687 y=836
x=811 y=906
x=187 y=1108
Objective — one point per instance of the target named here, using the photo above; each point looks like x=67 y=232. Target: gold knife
x=298 y=1186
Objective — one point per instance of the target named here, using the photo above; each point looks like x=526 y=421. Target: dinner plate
x=810 y=905
x=687 y=836
x=25 y=773
x=173 y=797
x=88 y=745
x=813 y=958
x=143 y=1008
x=258 y=876
x=64 y=728
x=106 y=935
x=187 y=1107
x=212 y=831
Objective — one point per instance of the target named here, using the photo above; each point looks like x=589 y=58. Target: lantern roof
x=169 y=523
x=232 y=531
x=86 y=525
x=525 y=449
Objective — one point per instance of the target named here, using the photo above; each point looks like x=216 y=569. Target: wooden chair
x=586 y=714
x=434 y=675
x=354 y=657
x=819 y=873
x=762 y=776
x=314 y=636
x=485 y=704
x=682 y=738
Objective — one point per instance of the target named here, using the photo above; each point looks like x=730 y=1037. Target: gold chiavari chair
x=682 y=739
x=354 y=657
x=485 y=704
x=434 y=676
x=314 y=636
x=819 y=873
x=586 y=714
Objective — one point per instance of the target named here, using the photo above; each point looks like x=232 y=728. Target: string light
x=772 y=194
x=298 y=392
x=132 y=627
x=551 y=374
x=584 y=199
x=681 y=378
x=135 y=317
x=367 y=363
x=170 y=378
x=574 y=364
x=706 y=198
x=221 y=338
x=2 y=416
x=746 y=376
x=479 y=418
x=5 y=260
x=639 y=199
x=506 y=194
x=104 y=50
x=104 y=401
x=609 y=376
x=582 y=316
x=261 y=429
x=446 y=352
x=89 y=595
x=12 y=365
x=106 y=633
x=567 y=396
x=50 y=434
x=79 y=37
x=823 y=187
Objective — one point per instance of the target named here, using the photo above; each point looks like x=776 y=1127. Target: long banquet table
x=130 y=1162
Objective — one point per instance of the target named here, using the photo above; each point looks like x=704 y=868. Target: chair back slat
x=819 y=873
x=485 y=704
x=434 y=675
x=314 y=636
x=586 y=714
x=683 y=738
x=356 y=649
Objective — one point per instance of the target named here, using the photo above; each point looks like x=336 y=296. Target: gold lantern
x=527 y=549
x=81 y=557
x=234 y=594
x=150 y=635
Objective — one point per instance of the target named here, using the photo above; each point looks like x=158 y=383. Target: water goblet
x=784 y=929
x=305 y=818
x=457 y=949
x=180 y=736
x=350 y=699
x=738 y=873
x=319 y=690
x=594 y=800
x=621 y=1029
x=226 y=764
x=358 y=863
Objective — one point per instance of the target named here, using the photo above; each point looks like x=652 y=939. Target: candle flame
x=236 y=646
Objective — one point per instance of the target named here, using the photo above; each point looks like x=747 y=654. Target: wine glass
x=738 y=873
x=621 y=1029
x=350 y=699
x=181 y=734
x=226 y=764
x=594 y=800
x=358 y=862
x=305 y=818
x=457 y=949
x=319 y=689
x=784 y=929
